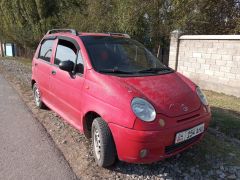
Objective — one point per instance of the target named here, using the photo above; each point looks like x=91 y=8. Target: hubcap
x=97 y=143
x=37 y=97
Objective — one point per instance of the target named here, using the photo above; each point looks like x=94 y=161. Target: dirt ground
x=213 y=158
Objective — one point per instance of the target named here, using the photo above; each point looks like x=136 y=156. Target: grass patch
x=25 y=61
x=223 y=101
x=225 y=113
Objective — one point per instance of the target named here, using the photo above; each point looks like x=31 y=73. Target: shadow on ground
x=226 y=121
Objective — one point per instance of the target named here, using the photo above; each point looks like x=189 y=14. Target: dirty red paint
x=173 y=96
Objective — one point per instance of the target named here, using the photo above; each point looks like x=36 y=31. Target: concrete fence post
x=174 y=49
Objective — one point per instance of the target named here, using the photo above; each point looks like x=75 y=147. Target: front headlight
x=143 y=109
x=202 y=96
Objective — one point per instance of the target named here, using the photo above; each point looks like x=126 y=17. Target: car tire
x=103 y=145
x=37 y=97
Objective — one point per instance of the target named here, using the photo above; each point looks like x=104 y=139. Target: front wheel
x=103 y=145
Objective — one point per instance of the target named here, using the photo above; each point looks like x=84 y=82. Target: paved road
x=26 y=150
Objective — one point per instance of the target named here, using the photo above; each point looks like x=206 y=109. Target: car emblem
x=171 y=106
x=184 y=107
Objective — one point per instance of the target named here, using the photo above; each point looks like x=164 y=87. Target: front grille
x=172 y=148
x=188 y=118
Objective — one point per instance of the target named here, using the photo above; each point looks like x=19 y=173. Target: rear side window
x=46 y=50
x=65 y=51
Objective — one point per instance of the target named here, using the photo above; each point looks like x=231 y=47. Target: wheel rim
x=37 y=96
x=97 y=143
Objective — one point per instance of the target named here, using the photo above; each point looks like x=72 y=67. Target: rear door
x=66 y=88
x=42 y=67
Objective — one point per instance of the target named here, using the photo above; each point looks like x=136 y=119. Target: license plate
x=188 y=134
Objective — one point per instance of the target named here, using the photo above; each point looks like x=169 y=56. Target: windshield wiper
x=154 y=70
x=115 y=71
x=150 y=70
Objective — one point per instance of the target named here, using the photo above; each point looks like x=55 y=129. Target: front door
x=66 y=88
x=42 y=68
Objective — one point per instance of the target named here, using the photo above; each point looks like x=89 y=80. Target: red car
x=111 y=88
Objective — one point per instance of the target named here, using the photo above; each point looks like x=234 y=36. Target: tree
x=206 y=17
x=149 y=21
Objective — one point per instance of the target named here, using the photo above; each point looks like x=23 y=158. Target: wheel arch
x=33 y=82
x=87 y=122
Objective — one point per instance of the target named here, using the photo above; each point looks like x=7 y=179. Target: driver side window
x=65 y=51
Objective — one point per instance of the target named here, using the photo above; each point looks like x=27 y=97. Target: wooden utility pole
x=1 y=49
x=158 y=52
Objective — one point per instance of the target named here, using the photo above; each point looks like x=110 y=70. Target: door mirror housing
x=67 y=66
x=79 y=68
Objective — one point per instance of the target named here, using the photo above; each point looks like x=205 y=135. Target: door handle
x=35 y=64
x=54 y=72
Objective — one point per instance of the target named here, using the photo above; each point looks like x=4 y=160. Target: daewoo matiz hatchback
x=111 y=88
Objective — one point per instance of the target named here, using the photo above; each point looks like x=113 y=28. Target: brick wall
x=211 y=61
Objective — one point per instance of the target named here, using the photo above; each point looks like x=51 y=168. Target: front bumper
x=159 y=144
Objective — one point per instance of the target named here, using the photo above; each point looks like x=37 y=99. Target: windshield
x=118 y=55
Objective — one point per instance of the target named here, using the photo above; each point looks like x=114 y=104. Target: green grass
x=25 y=61
x=225 y=113
x=223 y=101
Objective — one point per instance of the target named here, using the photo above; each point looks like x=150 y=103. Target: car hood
x=171 y=94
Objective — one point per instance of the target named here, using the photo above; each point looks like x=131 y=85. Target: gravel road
x=213 y=158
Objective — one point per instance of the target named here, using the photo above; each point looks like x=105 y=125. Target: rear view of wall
x=211 y=61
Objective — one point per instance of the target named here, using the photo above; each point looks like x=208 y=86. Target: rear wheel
x=37 y=97
x=102 y=142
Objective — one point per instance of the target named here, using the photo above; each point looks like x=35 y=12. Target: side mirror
x=66 y=66
x=79 y=68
